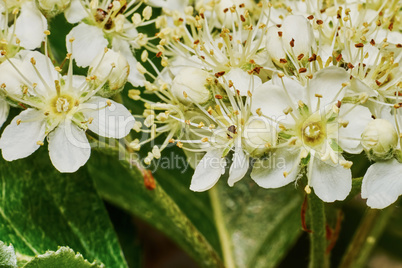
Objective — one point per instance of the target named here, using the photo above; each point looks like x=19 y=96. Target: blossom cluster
x=288 y=90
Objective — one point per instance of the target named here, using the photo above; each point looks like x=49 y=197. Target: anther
x=292 y=42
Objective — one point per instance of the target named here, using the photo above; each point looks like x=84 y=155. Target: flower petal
x=45 y=69
x=239 y=166
x=4 y=109
x=242 y=81
x=75 y=12
x=272 y=101
x=278 y=170
x=208 y=171
x=89 y=42
x=30 y=26
x=68 y=147
x=20 y=140
x=298 y=28
x=134 y=77
x=274 y=44
x=356 y=85
x=330 y=182
x=358 y=118
x=293 y=87
x=327 y=83
x=382 y=184
x=111 y=121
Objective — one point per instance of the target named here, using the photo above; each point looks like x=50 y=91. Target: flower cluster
x=286 y=90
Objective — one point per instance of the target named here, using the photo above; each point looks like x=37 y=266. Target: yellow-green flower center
x=62 y=104
x=313 y=133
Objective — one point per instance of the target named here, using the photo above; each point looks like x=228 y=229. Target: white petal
x=382 y=184
x=113 y=121
x=239 y=166
x=89 y=42
x=358 y=118
x=274 y=44
x=330 y=182
x=327 y=82
x=19 y=141
x=75 y=12
x=22 y=61
x=30 y=26
x=298 y=28
x=208 y=171
x=278 y=170
x=135 y=77
x=4 y=109
x=356 y=85
x=68 y=147
x=293 y=87
x=272 y=101
x=242 y=81
x=45 y=68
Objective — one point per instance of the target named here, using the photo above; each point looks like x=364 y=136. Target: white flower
x=103 y=25
x=233 y=129
x=22 y=25
x=59 y=108
x=315 y=128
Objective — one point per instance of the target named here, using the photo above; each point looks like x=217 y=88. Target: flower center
x=62 y=104
x=313 y=133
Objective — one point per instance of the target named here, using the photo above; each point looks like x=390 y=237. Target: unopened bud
x=259 y=136
x=193 y=82
x=379 y=139
x=112 y=69
x=51 y=8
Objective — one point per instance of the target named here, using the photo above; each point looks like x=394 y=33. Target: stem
x=370 y=229
x=318 y=241
x=222 y=231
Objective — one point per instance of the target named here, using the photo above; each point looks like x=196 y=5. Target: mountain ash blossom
x=316 y=127
x=59 y=108
x=22 y=25
x=107 y=24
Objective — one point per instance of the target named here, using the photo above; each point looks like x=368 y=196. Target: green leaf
x=63 y=257
x=7 y=256
x=252 y=226
x=127 y=190
x=262 y=224
x=41 y=209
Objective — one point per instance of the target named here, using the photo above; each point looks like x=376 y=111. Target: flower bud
x=189 y=86
x=51 y=8
x=111 y=67
x=259 y=136
x=379 y=139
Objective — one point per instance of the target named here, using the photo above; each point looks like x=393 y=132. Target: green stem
x=222 y=231
x=370 y=229
x=318 y=241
